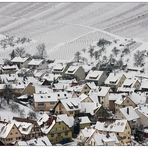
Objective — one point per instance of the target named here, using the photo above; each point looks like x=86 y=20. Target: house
x=142 y=111
x=41 y=141
x=80 y=89
x=70 y=106
x=102 y=139
x=47 y=101
x=56 y=130
x=9 y=69
x=129 y=114
x=129 y=85
x=20 y=62
x=98 y=77
x=133 y=99
x=120 y=127
x=112 y=98
x=37 y=64
x=60 y=68
x=76 y=72
x=49 y=79
x=9 y=132
x=28 y=128
x=115 y=80
x=84 y=135
x=84 y=121
x=102 y=94
x=44 y=102
x=29 y=90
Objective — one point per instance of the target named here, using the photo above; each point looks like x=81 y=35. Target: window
x=52 y=135
x=66 y=134
x=16 y=133
x=59 y=134
x=40 y=104
x=10 y=133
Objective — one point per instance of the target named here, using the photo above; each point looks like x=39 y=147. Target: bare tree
x=139 y=58
x=77 y=56
x=20 y=52
x=41 y=48
x=115 y=51
x=8 y=94
x=91 y=51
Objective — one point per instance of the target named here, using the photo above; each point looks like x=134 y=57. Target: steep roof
x=129 y=113
x=19 y=60
x=117 y=126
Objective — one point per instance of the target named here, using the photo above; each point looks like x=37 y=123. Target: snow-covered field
x=72 y=23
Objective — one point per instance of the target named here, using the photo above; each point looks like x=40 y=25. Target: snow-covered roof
x=117 y=126
x=43 y=119
x=5 y=67
x=5 y=129
x=59 y=68
x=129 y=82
x=113 y=79
x=72 y=69
x=89 y=107
x=94 y=75
x=101 y=91
x=40 y=141
x=46 y=129
x=19 y=60
x=84 y=120
x=51 y=77
x=116 y=96
x=102 y=139
x=143 y=109
x=39 y=89
x=35 y=62
x=83 y=96
x=71 y=104
x=50 y=97
x=69 y=120
x=129 y=113
x=24 y=127
x=87 y=132
x=137 y=98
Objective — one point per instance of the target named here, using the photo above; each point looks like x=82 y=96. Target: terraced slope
x=61 y=23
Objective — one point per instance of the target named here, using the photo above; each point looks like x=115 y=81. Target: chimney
x=127 y=110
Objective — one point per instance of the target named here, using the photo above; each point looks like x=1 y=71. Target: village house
x=60 y=68
x=41 y=141
x=49 y=79
x=20 y=62
x=56 y=129
x=114 y=81
x=7 y=69
x=98 y=77
x=70 y=106
x=102 y=94
x=37 y=64
x=133 y=99
x=84 y=122
x=75 y=72
x=120 y=127
x=142 y=111
x=102 y=139
x=9 y=132
x=84 y=135
x=80 y=89
x=47 y=101
x=28 y=128
x=44 y=102
x=129 y=114
x=129 y=85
